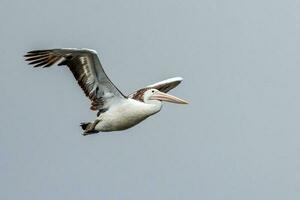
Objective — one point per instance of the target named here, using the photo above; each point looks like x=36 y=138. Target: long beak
x=167 y=97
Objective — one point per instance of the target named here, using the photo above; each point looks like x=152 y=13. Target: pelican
x=115 y=111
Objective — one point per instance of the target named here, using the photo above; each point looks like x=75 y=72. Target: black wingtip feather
x=38 y=51
x=35 y=58
x=37 y=61
x=40 y=64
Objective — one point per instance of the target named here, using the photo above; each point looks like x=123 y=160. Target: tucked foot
x=84 y=125
x=89 y=133
x=89 y=128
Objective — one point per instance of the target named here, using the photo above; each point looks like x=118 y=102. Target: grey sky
x=238 y=139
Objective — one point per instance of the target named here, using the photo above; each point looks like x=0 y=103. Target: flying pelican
x=115 y=110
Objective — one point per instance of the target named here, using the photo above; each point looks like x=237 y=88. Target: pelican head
x=154 y=95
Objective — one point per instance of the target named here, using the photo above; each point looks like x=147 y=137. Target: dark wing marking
x=87 y=70
x=138 y=95
x=163 y=86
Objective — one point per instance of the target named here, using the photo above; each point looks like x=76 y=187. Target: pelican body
x=126 y=115
x=115 y=111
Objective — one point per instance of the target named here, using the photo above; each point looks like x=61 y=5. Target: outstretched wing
x=166 y=85
x=163 y=86
x=87 y=70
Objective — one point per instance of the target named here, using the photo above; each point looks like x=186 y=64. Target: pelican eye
x=152 y=91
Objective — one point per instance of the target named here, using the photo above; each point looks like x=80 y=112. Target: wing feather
x=87 y=70
x=166 y=85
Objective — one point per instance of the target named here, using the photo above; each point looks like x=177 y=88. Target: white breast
x=125 y=115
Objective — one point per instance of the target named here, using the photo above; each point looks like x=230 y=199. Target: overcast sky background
x=239 y=138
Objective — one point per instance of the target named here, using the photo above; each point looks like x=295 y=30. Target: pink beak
x=167 y=97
